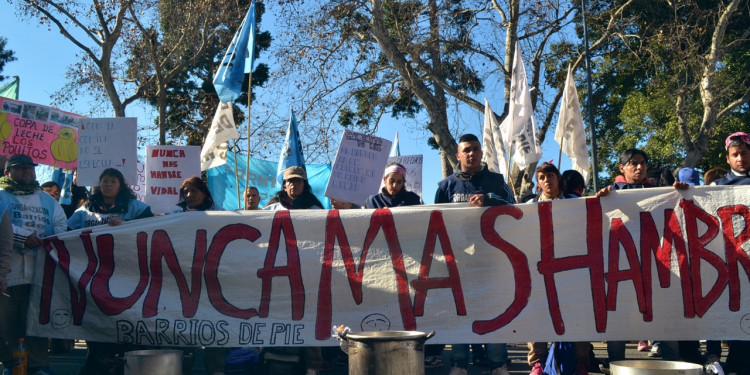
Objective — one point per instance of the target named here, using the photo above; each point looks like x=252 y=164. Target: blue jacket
x=626 y=185
x=383 y=199
x=461 y=186
x=92 y=215
x=733 y=179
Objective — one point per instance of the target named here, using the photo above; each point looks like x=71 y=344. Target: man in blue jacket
x=475 y=184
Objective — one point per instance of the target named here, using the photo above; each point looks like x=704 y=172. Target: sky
x=43 y=56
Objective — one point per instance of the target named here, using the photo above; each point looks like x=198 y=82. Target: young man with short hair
x=738 y=158
x=475 y=184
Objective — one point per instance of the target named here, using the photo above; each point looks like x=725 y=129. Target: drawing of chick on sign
x=107 y=143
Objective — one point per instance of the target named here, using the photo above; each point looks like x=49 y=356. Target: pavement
x=70 y=363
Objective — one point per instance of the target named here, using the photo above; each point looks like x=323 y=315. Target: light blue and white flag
x=262 y=175
x=238 y=60
x=291 y=153
x=395 y=150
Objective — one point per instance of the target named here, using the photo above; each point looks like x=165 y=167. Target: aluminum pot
x=645 y=367
x=153 y=362
x=387 y=352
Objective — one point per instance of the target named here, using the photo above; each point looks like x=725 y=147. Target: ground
x=69 y=363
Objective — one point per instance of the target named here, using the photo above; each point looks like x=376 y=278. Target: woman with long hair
x=112 y=202
x=195 y=196
x=549 y=184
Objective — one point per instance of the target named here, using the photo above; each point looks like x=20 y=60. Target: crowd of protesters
x=113 y=202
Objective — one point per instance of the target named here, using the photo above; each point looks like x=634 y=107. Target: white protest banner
x=413 y=165
x=139 y=188
x=639 y=263
x=166 y=168
x=358 y=168
x=107 y=143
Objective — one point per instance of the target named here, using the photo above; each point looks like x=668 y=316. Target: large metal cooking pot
x=645 y=367
x=153 y=362
x=387 y=352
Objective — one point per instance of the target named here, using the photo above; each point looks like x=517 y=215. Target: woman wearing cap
x=296 y=193
x=394 y=193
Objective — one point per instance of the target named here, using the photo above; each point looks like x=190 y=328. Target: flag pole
x=510 y=161
x=589 y=103
x=249 y=100
x=236 y=173
x=559 y=155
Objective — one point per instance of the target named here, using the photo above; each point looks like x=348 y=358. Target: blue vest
x=46 y=202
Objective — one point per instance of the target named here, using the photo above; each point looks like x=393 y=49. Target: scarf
x=18 y=188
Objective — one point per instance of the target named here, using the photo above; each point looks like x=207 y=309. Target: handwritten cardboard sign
x=166 y=168
x=358 y=169
x=413 y=165
x=107 y=143
x=636 y=263
x=45 y=134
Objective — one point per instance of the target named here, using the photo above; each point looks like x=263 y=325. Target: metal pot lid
x=153 y=352
x=388 y=336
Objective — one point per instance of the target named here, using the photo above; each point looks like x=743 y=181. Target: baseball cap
x=293 y=172
x=688 y=175
x=18 y=159
x=738 y=135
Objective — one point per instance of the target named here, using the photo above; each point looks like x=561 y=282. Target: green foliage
x=661 y=54
x=380 y=89
x=6 y=56
x=191 y=98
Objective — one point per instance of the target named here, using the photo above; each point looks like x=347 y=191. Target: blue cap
x=689 y=175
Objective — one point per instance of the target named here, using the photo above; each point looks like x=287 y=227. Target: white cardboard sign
x=358 y=169
x=107 y=143
x=413 y=165
x=166 y=168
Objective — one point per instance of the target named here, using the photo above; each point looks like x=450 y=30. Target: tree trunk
x=434 y=102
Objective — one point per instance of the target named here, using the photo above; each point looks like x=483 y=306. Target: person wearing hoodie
x=475 y=184
x=394 y=193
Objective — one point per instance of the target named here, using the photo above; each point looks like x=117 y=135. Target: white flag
x=493 y=147
x=570 y=133
x=520 y=127
x=214 y=151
